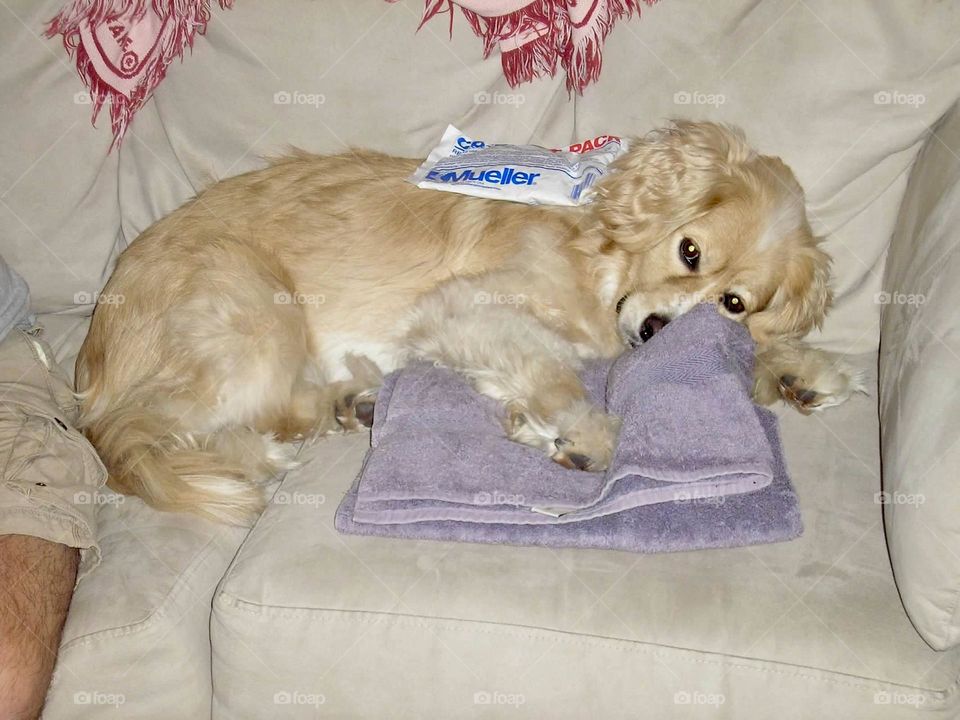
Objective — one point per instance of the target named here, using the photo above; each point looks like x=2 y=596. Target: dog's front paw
x=354 y=410
x=586 y=438
x=829 y=386
x=807 y=378
x=794 y=392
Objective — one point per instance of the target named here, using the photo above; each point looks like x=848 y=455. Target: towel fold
x=766 y=516
x=440 y=466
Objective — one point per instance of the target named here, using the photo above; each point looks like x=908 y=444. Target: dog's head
x=694 y=214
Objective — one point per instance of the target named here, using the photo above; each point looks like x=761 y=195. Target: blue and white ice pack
x=519 y=173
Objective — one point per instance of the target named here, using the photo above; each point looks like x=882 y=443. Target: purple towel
x=697 y=464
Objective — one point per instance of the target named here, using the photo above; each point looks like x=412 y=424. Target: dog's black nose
x=651 y=326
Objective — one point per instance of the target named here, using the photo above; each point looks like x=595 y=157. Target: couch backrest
x=920 y=391
x=59 y=210
x=842 y=91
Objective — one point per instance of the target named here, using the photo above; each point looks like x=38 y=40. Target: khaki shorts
x=49 y=474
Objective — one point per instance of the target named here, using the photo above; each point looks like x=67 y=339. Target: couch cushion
x=920 y=396
x=136 y=642
x=308 y=620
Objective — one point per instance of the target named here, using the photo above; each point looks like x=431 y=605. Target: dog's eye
x=733 y=303
x=620 y=303
x=689 y=253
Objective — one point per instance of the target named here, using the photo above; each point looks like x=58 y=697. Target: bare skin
x=36 y=584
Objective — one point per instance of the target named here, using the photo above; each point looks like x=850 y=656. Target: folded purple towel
x=440 y=466
x=766 y=516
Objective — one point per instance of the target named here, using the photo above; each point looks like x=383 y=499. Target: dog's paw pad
x=567 y=454
x=354 y=411
x=794 y=391
x=587 y=442
x=570 y=459
x=364 y=412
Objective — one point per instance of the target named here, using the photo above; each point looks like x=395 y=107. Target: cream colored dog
x=266 y=309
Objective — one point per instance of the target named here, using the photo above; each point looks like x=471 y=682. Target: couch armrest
x=920 y=392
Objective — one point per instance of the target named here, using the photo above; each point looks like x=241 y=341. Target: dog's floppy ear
x=801 y=301
x=667 y=179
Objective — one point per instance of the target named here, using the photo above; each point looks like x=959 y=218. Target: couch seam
x=157 y=613
x=533 y=633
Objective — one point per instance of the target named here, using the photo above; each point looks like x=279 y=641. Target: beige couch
x=856 y=619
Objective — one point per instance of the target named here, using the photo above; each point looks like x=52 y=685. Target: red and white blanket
x=123 y=47
x=535 y=36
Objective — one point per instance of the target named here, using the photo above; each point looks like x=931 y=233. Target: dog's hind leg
x=188 y=389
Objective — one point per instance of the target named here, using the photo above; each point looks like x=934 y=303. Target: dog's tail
x=217 y=475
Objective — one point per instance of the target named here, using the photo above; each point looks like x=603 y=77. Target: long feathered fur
x=241 y=310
